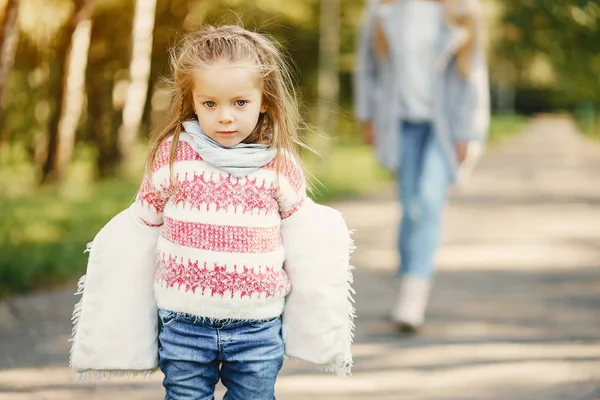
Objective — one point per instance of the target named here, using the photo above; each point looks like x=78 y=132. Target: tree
x=70 y=94
x=565 y=35
x=108 y=60
x=328 y=83
x=139 y=72
x=9 y=36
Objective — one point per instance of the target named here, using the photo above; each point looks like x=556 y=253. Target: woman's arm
x=473 y=99
x=365 y=67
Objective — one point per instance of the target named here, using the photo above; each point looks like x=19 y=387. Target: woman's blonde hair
x=278 y=126
x=463 y=14
x=459 y=13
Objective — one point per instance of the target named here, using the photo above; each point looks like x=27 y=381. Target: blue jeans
x=424 y=178
x=195 y=353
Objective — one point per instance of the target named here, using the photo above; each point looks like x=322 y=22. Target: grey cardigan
x=461 y=106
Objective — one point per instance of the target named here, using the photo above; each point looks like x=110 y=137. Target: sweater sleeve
x=292 y=186
x=156 y=189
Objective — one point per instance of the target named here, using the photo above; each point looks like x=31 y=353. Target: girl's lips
x=226 y=132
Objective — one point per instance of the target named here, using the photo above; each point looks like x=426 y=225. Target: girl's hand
x=367 y=128
x=461 y=152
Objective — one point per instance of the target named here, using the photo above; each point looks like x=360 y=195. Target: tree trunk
x=328 y=81
x=100 y=126
x=139 y=70
x=71 y=93
x=9 y=37
x=103 y=120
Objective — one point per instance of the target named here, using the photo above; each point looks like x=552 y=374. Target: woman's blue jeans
x=423 y=181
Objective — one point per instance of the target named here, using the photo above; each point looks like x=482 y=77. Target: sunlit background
x=81 y=89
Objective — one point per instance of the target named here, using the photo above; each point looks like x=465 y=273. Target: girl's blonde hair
x=459 y=13
x=278 y=126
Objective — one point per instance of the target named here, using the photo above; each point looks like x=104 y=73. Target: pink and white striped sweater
x=220 y=250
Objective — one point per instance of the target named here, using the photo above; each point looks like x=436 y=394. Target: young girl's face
x=228 y=100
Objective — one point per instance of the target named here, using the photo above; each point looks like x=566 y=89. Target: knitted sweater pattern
x=220 y=254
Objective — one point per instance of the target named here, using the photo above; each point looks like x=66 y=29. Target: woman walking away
x=422 y=97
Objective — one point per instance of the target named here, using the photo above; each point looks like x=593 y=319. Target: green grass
x=43 y=232
x=503 y=127
x=42 y=237
x=590 y=126
x=348 y=170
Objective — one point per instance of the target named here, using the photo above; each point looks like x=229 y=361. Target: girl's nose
x=225 y=116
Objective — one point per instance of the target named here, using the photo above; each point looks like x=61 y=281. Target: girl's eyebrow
x=237 y=97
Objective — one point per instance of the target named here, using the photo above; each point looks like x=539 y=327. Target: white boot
x=411 y=301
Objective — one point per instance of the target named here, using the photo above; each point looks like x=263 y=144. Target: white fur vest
x=115 y=322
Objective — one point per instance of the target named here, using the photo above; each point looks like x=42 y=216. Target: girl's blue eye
x=210 y=104
x=241 y=103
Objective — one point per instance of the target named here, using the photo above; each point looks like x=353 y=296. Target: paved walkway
x=515 y=313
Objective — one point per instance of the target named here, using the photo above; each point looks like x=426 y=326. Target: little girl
x=224 y=207
x=222 y=175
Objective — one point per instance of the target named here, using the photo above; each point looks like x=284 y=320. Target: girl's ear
x=264 y=107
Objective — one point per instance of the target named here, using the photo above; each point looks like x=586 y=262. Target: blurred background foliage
x=80 y=90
